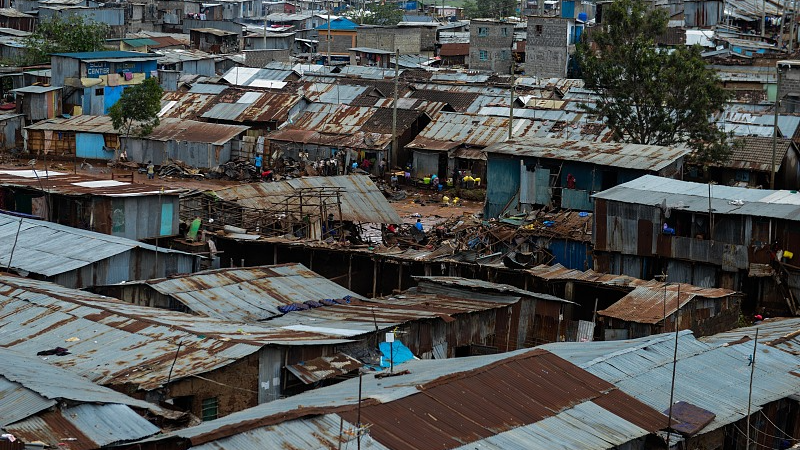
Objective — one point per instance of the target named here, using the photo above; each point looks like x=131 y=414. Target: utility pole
x=775 y=127
x=511 y=100
x=393 y=153
x=328 y=59
x=750 y=391
x=763 y=18
x=791 y=27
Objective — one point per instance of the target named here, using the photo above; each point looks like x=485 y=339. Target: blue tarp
x=399 y=351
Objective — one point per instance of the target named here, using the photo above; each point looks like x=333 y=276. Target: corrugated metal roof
x=649 y=303
x=174 y=129
x=106 y=55
x=755 y=153
x=485 y=286
x=248 y=294
x=77 y=184
x=48 y=249
x=252 y=106
x=361 y=200
x=449 y=130
x=621 y=155
x=687 y=196
x=247 y=76
x=53 y=383
x=84 y=427
x=714 y=378
x=83 y=123
x=324 y=367
x=184 y=105
x=526 y=387
x=205 y=88
x=122 y=343
x=316 y=432
x=782 y=333
x=18 y=402
x=37 y=89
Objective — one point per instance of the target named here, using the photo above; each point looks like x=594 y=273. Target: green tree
x=63 y=35
x=381 y=14
x=490 y=9
x=648 y=95
x=137 y=109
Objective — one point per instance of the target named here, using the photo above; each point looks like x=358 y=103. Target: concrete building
x=490 y=45
x=405 y=39
x=550 y=42
x=789 y=86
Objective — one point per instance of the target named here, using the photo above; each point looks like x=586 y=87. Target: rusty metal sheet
x=691 y=419
x=324 y=367
x=467 y=407
x=76 y=184
x=172 y=129
x=120 y=343
x=622 y=155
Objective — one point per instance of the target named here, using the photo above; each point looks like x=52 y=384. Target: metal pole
x=393 y=151
x=328 y=59
x=763 y=18
x=511 y=100
x=775 y=128
x=358 y=418
x=750 y=393
x=674 y=366
x=791 y=27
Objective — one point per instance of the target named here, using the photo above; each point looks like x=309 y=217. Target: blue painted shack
x=94 y=81
x=528 y=173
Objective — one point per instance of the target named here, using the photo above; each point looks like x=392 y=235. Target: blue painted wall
x=166 y=219
x=571 y=254
x=90 y=146
x=502 y=183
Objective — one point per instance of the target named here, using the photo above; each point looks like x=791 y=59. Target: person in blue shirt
x=418 y=226
x=259 y=160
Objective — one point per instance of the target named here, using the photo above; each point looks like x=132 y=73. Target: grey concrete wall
x=547 y=49
x=494 y=42
x=407 y=40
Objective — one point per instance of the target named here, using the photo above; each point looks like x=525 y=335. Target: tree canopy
x=490 y=9
x=381 y=14
x=64 y=35
x=650 y=95
x=137 y=109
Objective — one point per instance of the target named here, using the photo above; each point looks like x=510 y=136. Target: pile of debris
x=179 y=169
x=239 y=170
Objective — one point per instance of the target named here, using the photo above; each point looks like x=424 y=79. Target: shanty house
x=39 y=102
x=444 y=317
x=750 y=164
x=122 y=209
x=78 y=258
x=41 y=400
x=154 y=354
x=708 y=235
x=361 y=132
x=489 y=402
x=198 y=144
x=214 y=41
x=94 y=81
x=708 y=385
x=631 y=307
x=11 y=134
x=16 y=19
x=565 y=173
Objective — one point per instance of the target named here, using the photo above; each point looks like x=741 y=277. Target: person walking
x=151 y=170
